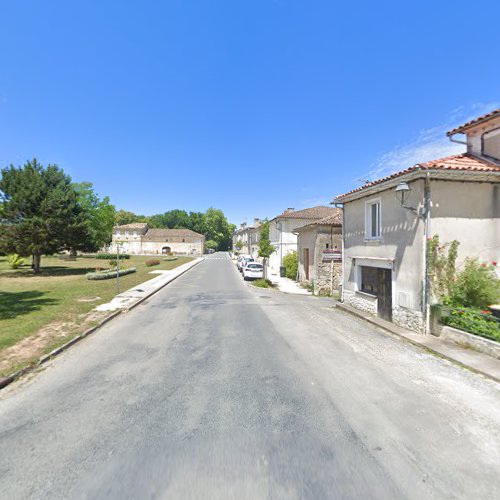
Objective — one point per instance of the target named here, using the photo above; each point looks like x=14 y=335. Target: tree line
x=43 y=212
x=212 y=223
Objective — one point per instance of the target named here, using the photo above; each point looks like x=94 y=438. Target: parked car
x=253 y=270
x=243 y=262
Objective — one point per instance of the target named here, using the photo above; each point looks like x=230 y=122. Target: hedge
x=109 y=274
x=111 y=256
x=475 y=321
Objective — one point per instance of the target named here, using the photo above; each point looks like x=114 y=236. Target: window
x=372 y=220
x=134 y=234
x=491 y=144
x=369 y=280
x=327 y=245
x=126 y=234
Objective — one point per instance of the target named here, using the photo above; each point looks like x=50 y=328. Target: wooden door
x=384 y=302
x=306 y=263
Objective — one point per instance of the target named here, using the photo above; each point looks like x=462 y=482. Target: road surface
x=215 y=389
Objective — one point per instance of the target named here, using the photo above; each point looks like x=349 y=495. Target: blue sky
x=249 y=106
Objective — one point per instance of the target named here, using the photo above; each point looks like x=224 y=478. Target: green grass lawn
x=60 y=299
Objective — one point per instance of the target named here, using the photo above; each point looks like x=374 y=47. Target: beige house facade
x=283 y=235
x=140 y=239
x=385 y=235
x=320 y=254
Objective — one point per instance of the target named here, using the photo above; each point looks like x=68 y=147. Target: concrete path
x=211 y=389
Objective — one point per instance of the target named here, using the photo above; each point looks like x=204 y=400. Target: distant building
x=385 y=234
x=320 y=253
x=248 y=237
x=139 y=239
x=282 y=231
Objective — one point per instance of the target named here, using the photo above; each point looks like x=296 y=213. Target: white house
x=139 y=239
x=248 y=237
x=282 y=231
x=387 y=224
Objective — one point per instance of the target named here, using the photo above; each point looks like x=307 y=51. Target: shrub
x=152 y=262
x=475 y=321
x=170 y=258
x=15 y=260
x=111 y=256
x=262 y=283
x=291 y=262
x=476 y=285
x=109 y=274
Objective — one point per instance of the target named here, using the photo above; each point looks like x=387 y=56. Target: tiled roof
x=463 y=162
x=134 y=225
x=162 y=233
x=308 y=213
x=332 y=220
x=476 y=121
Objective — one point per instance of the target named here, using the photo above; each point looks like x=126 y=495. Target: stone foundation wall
x=408 y=318
x=323 y=279
x=361 y=301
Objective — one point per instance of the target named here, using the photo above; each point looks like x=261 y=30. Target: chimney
x=243 y=225
x=288 y=210
x=256 y=222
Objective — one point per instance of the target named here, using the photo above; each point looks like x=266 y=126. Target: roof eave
x=455 y=174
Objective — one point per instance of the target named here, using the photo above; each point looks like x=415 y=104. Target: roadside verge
x=126 y=301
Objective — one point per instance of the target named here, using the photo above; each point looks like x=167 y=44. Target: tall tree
x=218 y=229
x=40 y=209
x=99 y=217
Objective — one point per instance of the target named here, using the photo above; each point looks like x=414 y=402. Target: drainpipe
x=341 y=206
x=426 y=278
x=456 y=140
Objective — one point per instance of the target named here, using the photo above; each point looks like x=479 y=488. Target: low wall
x=475 y=342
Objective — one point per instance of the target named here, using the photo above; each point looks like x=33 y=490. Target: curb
x=4 y=382
x=416 y=344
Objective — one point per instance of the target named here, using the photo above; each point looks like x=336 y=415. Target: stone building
x=282 y=231
x=140 y=239
x=387 y=224
x=320 y=253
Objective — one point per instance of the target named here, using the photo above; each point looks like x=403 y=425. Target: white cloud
x=431 y=143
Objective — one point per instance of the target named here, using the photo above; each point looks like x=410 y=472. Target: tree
x=217 y=228
x=126 y=217
x=266 y=249
x=41 y=213
x=99 y=217
x=211 y=245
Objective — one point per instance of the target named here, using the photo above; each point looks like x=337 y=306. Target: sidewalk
x=467 y=358
x=287 y=285
x=133 y=296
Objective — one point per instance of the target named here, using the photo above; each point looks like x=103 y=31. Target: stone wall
x=362 y=301
x=322 y=271
x=408 y=318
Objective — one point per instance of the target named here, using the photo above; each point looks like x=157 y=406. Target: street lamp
x=402 y=192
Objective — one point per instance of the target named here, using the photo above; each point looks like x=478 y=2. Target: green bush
x=112 y=256
x=291 y=262
x=109 y=274
x=152 y=262
x=475 y=321
x=15 y=260
x=476 y=285
x=262 y=283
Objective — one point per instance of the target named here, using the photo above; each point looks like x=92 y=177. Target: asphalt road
x=214 y=389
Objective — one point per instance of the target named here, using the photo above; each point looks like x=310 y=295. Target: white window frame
x=368 y=219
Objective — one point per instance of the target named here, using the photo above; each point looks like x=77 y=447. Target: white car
x=253 y=271
x=243 y=261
